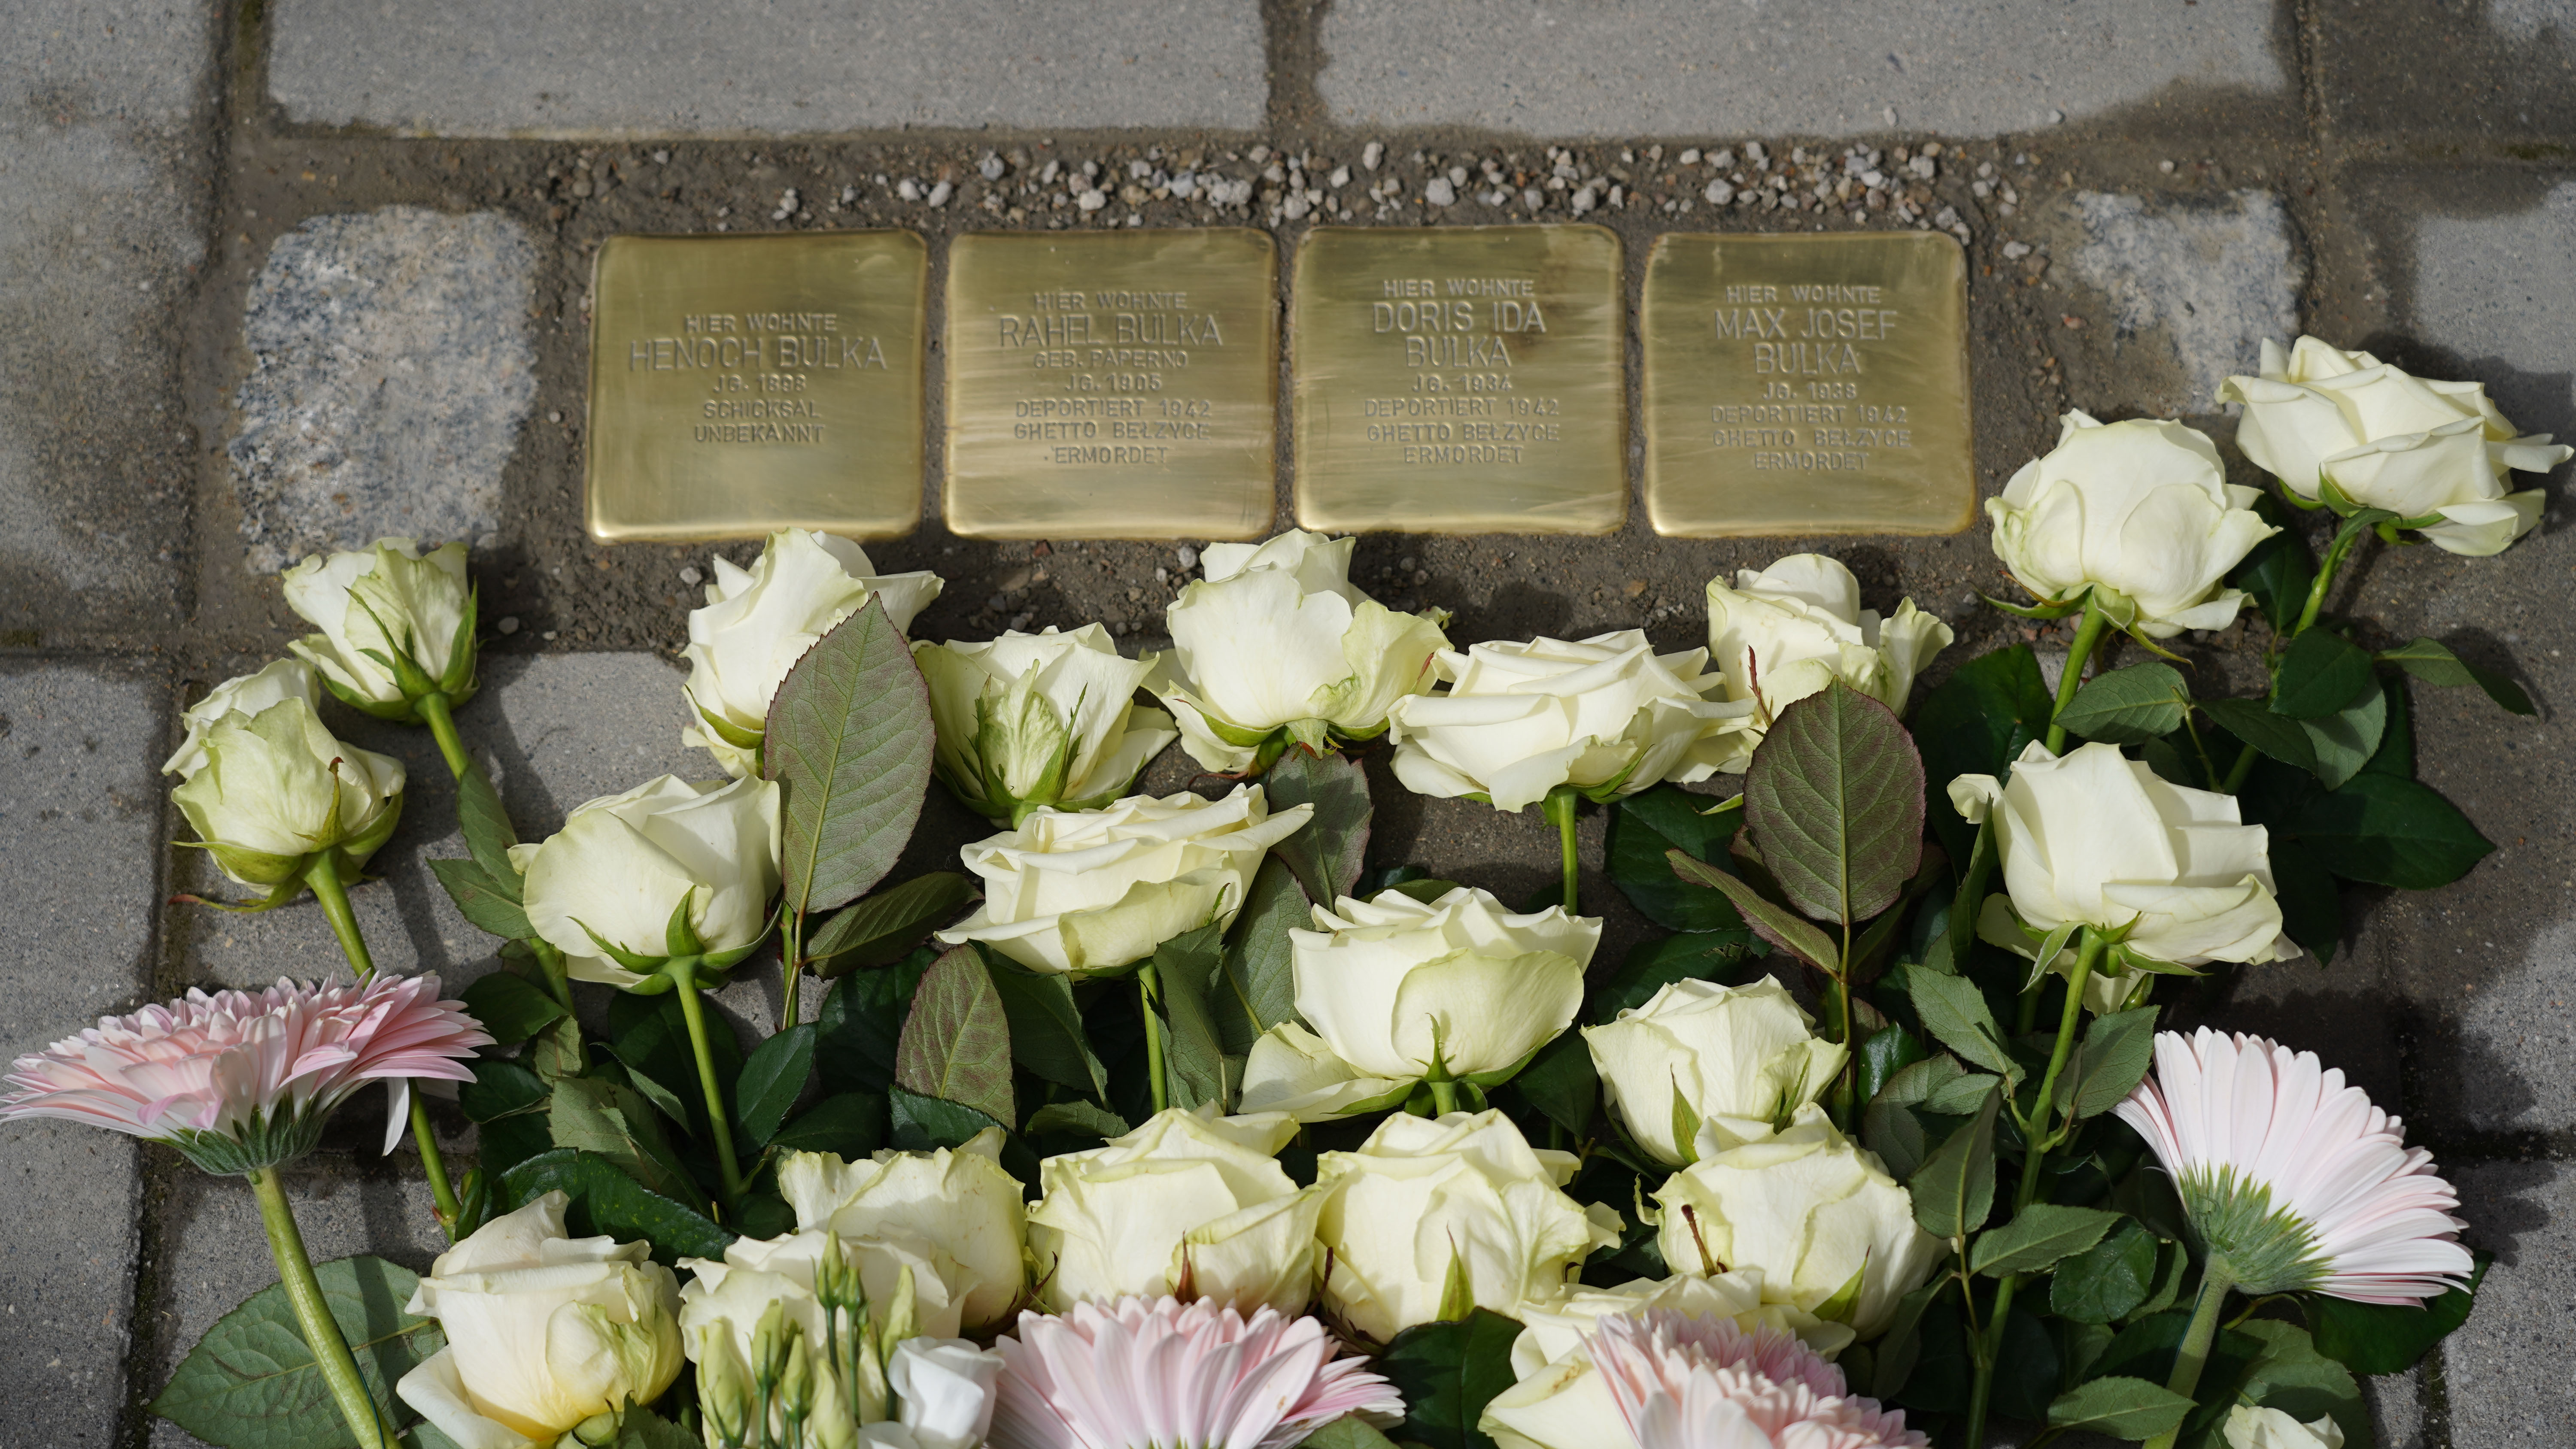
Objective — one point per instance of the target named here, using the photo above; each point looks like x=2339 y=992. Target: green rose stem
x=313 y=1314
x=433 y=707
x=2217 y=1276
x=1444 y=1095
x=1148 y=986
x=1559 y=807
x=683 y=971
x=2087 y=634
x=2353 y=531
x=1988 y=1350
x=323 y=875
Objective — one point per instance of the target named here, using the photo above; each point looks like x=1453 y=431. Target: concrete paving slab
x=582 y=68
x=2406 y=69
x=102 y=155
x=391 y=369
x=80 y=814
x=1827 y=67
x=2505 y=1371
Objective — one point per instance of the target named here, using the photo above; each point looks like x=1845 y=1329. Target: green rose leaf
x=1046 y=1027
x=2108 y=1281
x=489 y=903
x=887 y=926
x=510 y=1007
x=1195 y=1064
x=2129 y=706
x=1653 y=965
x=2345 y=740
x=1260 y=986
x=1448 y=1372
x=2390 y=831
x=925 y=1124
x=2276 y=735
x=1954 y=1189
x=2379 y=1338
x=771 y=1080
x=1347 y=1433
x=2123 y=1408
x=1976 y=723
x=251 y=1383
x=2037 y=1236
x=1770 y=920
x=861 y=1024
x=1645 y=826
x=1834 y=801
x=2278 y=571
x=613 y=1122
x=1955 y=1012
x=1562 y=1083
x=849 y=742
x=2320 y=673
x=852 y=1124
x=1325 y=852
x=2430 y=661
x=1080 y=1119
x=956 y=1044
x=605 y=1201
x=2113 y=1059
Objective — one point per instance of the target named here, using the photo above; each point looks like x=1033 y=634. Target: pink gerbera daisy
x=1699 y=1383
x=1153 y=1373
x=239 y=1080
x=2291 y=1177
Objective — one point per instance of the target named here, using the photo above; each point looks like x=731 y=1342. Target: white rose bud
x=2386 y=439
x=959 y=1201
x=1831 y=1232
x=1276 y=643
x=1459 y=987
x=543 y=1330
x=1427 y=1211
x=278 y=680
x=2141 y=513
x=1606 y=715
x=1189 y=1203
x=1787 y=631
x=1040 y=719
x=759 y=621
x=1091 y=892
x=626 y=868
x=396 y=624
x=728 y=1296
x=2098 y=839
x=1698 y=1057
x=274 y=789
x=2250 y=1426
x=1560 y=1401
x=945 y=1391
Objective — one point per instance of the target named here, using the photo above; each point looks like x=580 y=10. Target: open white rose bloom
x=248 y=694
x=2139 y=513
x=1426 y=1205
x=1560 y=1401
x=1701 y=1058
x=1190 y=1202
x=949 y=1206
x=543 y=1330
x=1785 y=632
x=623 y=865
x=759 y=621
x=1092 y=892
x=377 y=604
x=2418 y=447
x=1276 y=643
x=2098 y=839
x=1400 y=990
x=1040 y=719
x=1830 y=1231
x=1606 y=715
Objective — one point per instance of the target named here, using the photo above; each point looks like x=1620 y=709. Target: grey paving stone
x=391 y=369
x=1826 y=67
x=216 y=1253
x=103 y=105
x=79 y=817
x=2190 y=290
x=554 y=730
x=2406 y=68
x=765 y=67
x=2505 y=1371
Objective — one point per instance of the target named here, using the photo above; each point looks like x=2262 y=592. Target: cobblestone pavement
x=280 y=274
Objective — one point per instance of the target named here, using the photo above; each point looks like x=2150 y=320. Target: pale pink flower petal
x=1143 y=1373
x=2353 y=1211
x=1698 y=1383
x=236 y=1077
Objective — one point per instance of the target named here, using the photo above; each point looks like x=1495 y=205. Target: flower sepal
x=401 y=660
x=688 y=962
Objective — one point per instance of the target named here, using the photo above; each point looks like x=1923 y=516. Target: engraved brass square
x=1113 y=384
x=1807 y=384
x=1460 y=380
x=744 y=384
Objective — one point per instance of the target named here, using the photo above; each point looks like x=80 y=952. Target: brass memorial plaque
x=744 y=384
x=1807 y=384
x=1113 y=384
x=1460 y=380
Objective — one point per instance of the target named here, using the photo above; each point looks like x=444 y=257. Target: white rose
x=1277 y=643
x=1560 y=1401
x=2139 y=512
x=1191 y=1202
x=1423 y=1201
x=1408 y=990
x=2099 y=839
x=1040 y=719
x=959 y=1201
x=1294 y=1071
x=730 y=1294
x=759 y=621
x=1787 y=631
x=624 y=864
x=1607 y=715
x=543 y=1330
x=274 y=789
x=1088 y=892
x=278 y=680
x=389 y=599
x=1742 y=1059
x=2250 y=1426
x=2387 y=439
x=945 y=1389
x=1815 y=1213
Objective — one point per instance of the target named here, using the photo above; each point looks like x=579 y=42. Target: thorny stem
x=313 y=1314
x=2087 y=635
x=323 y=875
x=683 y=971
